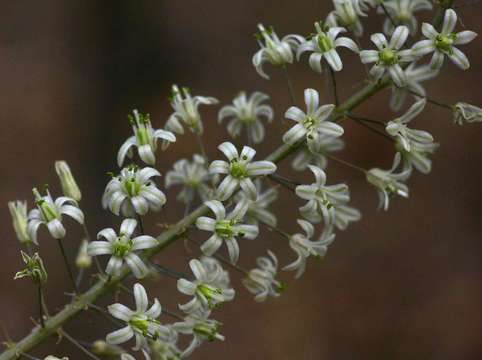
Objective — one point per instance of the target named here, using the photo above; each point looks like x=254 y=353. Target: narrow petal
x=144 y=242
x=210 y=246
x=146 y=154
x=249 y=188
x=398 y=75
x=459 y=59
x=74 y=212
x=197 y=269
x=294 y=113
x=229 y=150
x=205 y=223
x=113 y=266
x=348 y=43
x=56 y=229
x=399 y=37
x=450 y=20
x=465 y=37
x=429 y=31
x=233 y=250
x=144 y=175
x=259 y=168
x=315 y=62
x=128 y=226
x=140 y=297
x=125 y=149
x=120 y=312
x=108 y=234
x=379 y=40
x=334 y=60
x=219 y=167
x=247 y=154
x=120 y=336
x=96 y=248
x=312 y=99
x=137 y=266
x=368 y=56
x=320 y=175
x=294 y=134
x=217 y=208
x=227 y=187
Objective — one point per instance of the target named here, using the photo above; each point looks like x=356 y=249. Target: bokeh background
x=402 y=284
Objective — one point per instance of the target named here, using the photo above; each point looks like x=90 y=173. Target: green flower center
x=309 y=122
x=224 y=228
x=48 y=213
x=132 y=187
x=142 y=135
x=444 y=42
x=206 y=330
x=238 y=170
x=122 y=247
x=388 y=57
x=324 y=43
x=140 y=323
x=210 y=293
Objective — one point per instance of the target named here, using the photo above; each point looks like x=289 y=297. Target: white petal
x=217 y=208
x=259 y=168
x=140 y=205
x=248 y=188
x=186 y=287
x=465 y=37
x=247 y=231
x=348 y=43
x=137 y=266
x=120 y=312
x=398 y=75
x=334 y=60
x=227 y=187
x=233 y=250
x=399 y=37
x=379 y=40
x=239 y=210
x=311 y=100
x=145 y=174
x=165 y=135
x=320 y=175
x=294 y=134
x=144 y=242
x=205 y=223
x=368 y=56
x=219 y=167
x=197 y=269
x=74 y=212
x=459 y=59
x=108 y=234
x=450 y=20
x=56 y=229
x=437 y=60
x=114 y=266
x=146 y=154
x=429 y=31
x=120 y=336
x=247 y=154
x=128 y=226
x=154 y=311
x=423 y=47
x=294 y=113
x=125 y=149
x=99 y=248
x=210 y=246
x=315 y=62
x=229 y=150
x=140 y=297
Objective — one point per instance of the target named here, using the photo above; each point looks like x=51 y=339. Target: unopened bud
x=468 y=113
x=18 y=210
x=67 y=181
x=100 y=347
x=83 y=259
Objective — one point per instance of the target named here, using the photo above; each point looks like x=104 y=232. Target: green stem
x=290 y=85
x=81 y=302
x=67 y=265
x=335 y=89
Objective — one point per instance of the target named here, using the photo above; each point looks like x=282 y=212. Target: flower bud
x=100 y=347
x=67 y=181
x=83 y=259
x=18 y=210
x=466 y=112
x=34 y=268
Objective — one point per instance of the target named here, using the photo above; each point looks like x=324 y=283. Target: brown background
x=398 y=285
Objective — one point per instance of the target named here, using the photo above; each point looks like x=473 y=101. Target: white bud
x=18 y=210
x=67 y=181
x=83 y=259
x=466 y=112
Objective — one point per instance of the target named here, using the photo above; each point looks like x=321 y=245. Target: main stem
x=81 y=302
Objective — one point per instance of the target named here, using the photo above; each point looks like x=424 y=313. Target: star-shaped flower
x=225 y=228
x=443 y=43
x=261 y=281
x=123 y=248
x=239 y=171
x=145 y=139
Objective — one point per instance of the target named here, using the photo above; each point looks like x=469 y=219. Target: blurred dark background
x=398 y=285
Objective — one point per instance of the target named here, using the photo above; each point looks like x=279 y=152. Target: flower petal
x=120 y=336
x=229 y=150
x=128 y=226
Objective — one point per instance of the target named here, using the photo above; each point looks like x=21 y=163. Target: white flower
x=402 y=133
x=304 y=247
x=313 y=124
x=414 y=76
x=126 y=356
x=67 y=181
x=466 y=112
x=186 y=111
x=220 y=277
x=204 y=290
x=201 y=328
x=193 y=176
x=418 y=156
x=165 y=348
x=141 y=322
x=317 y=157
x=443 y=43
x=261 y=281
x=402 y=12
x=323 y=45
x=144 y=138
x=347 y=14
x=239 y=171
x=344 y=215
x=273 y=50
x=389 y=183
x=133 y=192
x=225 y=228
x=249 y=112
x=123 y=247
x=49 y=213
x=18 y=211
x=258 y=209
x=321 y=198
x=388 y=57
